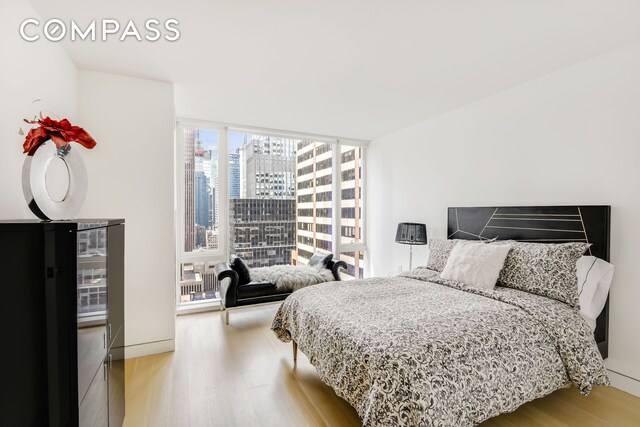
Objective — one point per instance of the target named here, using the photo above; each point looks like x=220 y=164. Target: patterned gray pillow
x=439 y=250
x=546 y=269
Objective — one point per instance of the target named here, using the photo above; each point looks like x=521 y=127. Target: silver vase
x=34 y=185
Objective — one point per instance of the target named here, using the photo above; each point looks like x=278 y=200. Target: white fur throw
x=291 y=277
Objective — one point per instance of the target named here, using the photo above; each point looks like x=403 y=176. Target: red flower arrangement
x=60 y=132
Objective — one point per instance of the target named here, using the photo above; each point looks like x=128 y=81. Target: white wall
x=131 y=177
x=130 y=170
x=571 y=137
x=29 y=71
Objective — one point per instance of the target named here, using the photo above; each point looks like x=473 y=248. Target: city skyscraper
x=202 y=168
x=234 y=175
x=268 y=167
x=263 y=230
x=314 y=200
x=351 y=204
x=202 y=199
x=263 y=218
x=213 y=207
x=190 y=136
x=215 y=194
x=206 y=163
x=314 y=230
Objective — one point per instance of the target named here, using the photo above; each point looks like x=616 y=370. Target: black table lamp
x=411 y=233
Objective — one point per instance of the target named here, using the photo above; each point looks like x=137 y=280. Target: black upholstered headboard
x=544 y=224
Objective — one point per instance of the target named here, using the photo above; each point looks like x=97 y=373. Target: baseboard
x=624 y=368
x=624 y=383
x=146 y=349
x=197 y=308
x=623 y=375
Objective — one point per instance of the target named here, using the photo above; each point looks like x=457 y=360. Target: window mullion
x=336 y=200
x=363 y=196
x=223 y=179
x=181 y=191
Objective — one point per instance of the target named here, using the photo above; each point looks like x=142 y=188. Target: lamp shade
x=411 y=233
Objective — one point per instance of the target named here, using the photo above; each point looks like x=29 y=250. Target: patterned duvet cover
x=421 y=351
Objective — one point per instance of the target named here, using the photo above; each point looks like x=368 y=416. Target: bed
x=420 y=350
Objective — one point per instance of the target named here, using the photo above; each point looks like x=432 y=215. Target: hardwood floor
x=241 y=375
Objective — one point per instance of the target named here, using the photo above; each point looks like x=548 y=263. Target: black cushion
x=320 y=258
x=259 y=289
x=239 y=266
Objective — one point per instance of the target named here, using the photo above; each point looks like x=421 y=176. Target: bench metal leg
x=243 y=307
x=295 y=352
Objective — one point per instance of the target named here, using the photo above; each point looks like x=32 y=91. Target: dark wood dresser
x=63 y=323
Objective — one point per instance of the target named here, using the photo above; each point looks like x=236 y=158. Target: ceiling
x=350 y=68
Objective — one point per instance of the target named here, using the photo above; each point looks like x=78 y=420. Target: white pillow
x=475 y=264
x=594 y=281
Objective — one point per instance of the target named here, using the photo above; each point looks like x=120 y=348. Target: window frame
x=222 y=253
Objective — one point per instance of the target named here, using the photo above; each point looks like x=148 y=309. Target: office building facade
x=262 y=230
x=314 y=203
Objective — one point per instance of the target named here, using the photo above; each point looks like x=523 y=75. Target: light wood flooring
x=241 y=375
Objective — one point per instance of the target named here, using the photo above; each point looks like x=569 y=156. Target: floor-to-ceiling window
x=268 y=197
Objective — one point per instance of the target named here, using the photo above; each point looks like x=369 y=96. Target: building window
x=305 y=198
x=324 y=180
x=324 y=197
